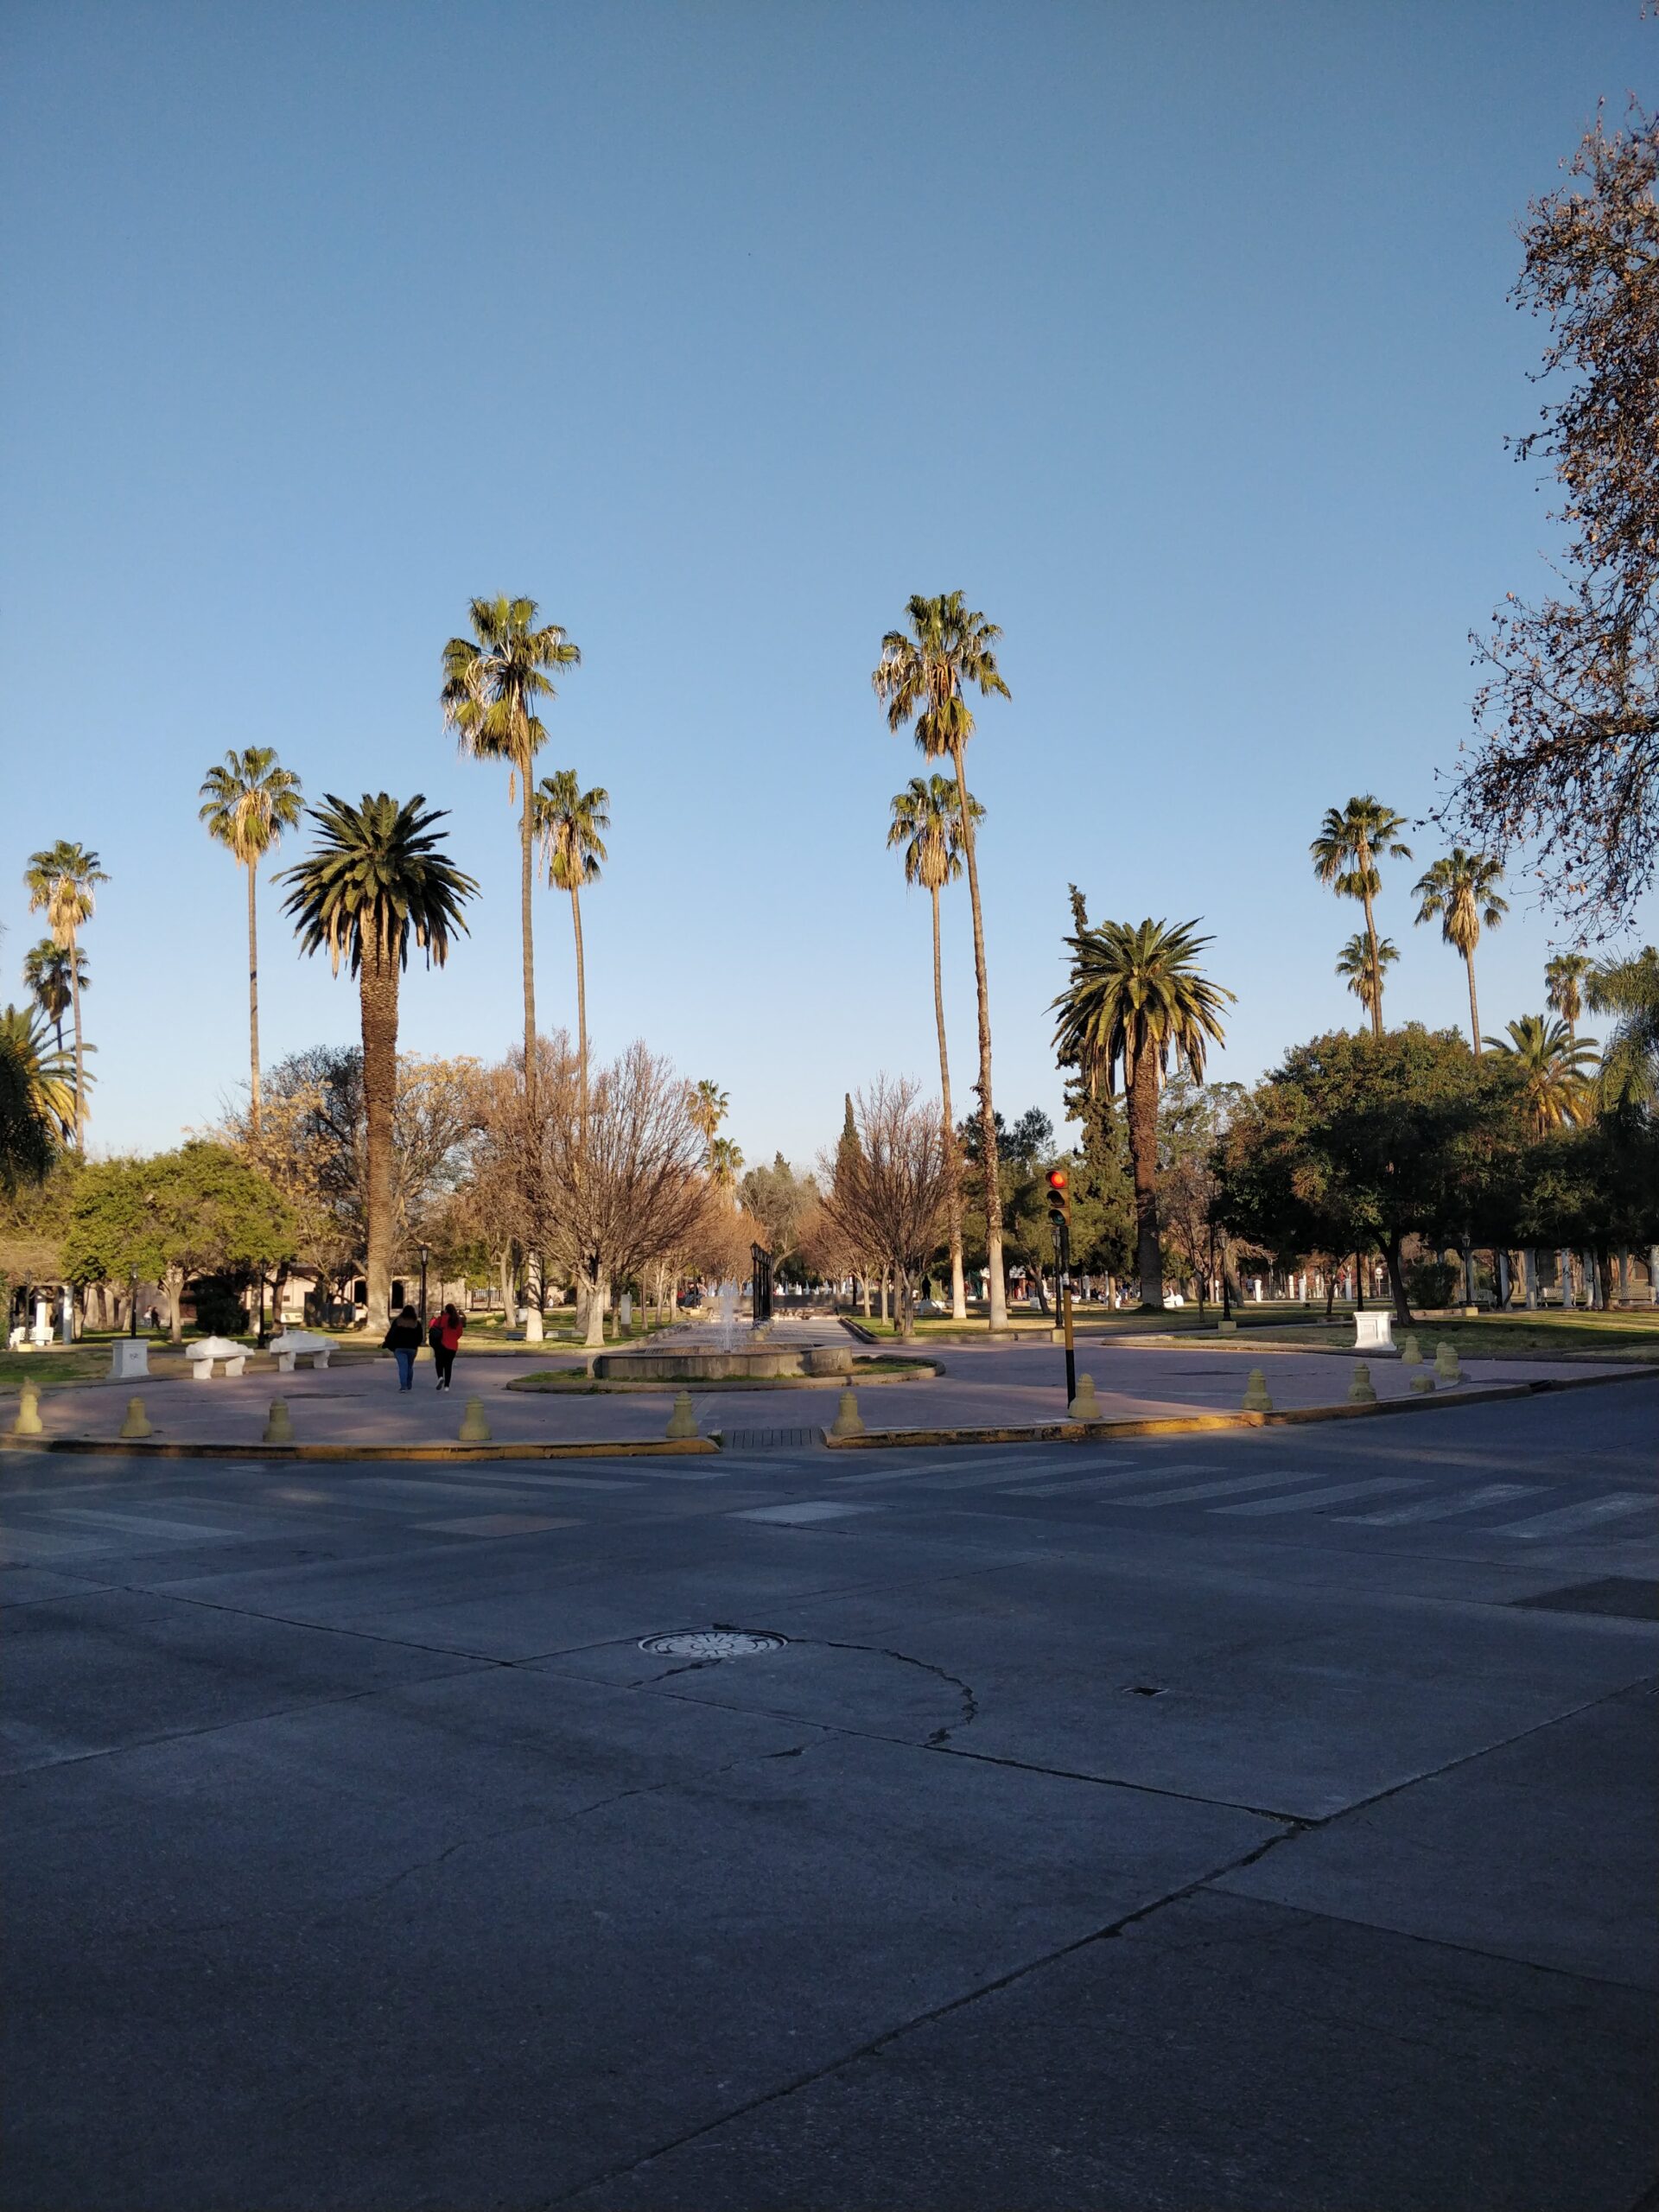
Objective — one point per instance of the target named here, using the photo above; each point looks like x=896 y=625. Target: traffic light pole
x=1064 y=1241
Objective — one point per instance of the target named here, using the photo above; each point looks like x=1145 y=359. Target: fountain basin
x=694 y=1366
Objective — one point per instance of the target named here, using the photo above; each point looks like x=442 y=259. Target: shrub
x=1433 y=1282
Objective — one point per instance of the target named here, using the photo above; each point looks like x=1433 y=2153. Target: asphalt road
x=1184 y=1825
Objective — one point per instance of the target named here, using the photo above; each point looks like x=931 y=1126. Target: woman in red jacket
x=446 y=1343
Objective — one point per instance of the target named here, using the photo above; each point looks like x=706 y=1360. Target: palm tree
x=709 y=1104
x=62 y=884
x=27 y=1143
x=924 y=678
x=1462 y=890
x=1554 y=1067
x=571 y=823
x=1629 y=990
x=725 y=1164
x=52 y=979
x=1361 y=964
x=1136 y=999
x=248 y=801
x=375 y=878
x=47 y=1071
x=1564 y=986
x=927 y=823
x=1345 y=853
x=491 y=681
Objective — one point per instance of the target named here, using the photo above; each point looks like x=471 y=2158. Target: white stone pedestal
x=129 y=1356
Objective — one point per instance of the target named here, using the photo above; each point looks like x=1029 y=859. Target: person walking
x=445 y=1335
x=402 y=1341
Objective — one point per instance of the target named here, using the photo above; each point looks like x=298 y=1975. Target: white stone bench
x=300 y=1344
x=1373 y=1331
x=203 y=1355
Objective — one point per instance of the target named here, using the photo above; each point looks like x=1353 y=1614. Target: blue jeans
x=405 y=1360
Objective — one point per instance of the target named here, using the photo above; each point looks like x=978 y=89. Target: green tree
x=725 y=1164
x=1136 y=1001
x=46 y=1069
x=1345 y=853
x=1629 y=990
x=1362 y=966
x=51 y=979
x=780 y=1199
x=248 y=801
x=180 y=1214
x=1564 y=986
x=709 y=1106
x=926 y=824
x=28 y=1141
x=62 y=884
x=571 y=823
x=491 y=683
x=1554 y=1071
x=376 y=878
x=1461 y=891
x=923 y=676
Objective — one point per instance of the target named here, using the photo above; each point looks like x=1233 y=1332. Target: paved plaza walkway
x=986 y=1385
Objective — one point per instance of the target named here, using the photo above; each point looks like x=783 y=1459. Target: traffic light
x=1059 y=1198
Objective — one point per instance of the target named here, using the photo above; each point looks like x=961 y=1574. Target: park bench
x=208 y=1350
x=300 y=1344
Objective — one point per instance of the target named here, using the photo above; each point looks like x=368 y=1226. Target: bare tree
x=1566 y=756
x=887 y=1190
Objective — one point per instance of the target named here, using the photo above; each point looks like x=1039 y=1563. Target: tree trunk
x=1474 y=1004
x=173 y=1283
x=993 y=1283
x=1396 y=1278
x=81 y=1076
x=864 y=1296
x=1143 y=1153
x=597 y=1293
x=952 y=1166
x=533 y=1288
x=1370 y=937
x=582 y=1017
x=377 y=985
x=253 y=1011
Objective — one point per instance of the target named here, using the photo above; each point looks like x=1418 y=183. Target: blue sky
x=1175 y=335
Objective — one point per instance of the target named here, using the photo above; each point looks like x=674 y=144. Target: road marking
x=808 y=1510
x=140 y=1525
x=1082 y=1485
x=1330 y=1496
x=498 y=1525
x=1614 y=1507
x=1443 y=1509
x=1231 y=1487
x=418 y=1487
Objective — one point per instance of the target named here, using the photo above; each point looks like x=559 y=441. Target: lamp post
x=423 y=1312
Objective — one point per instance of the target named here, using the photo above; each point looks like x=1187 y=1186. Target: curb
x=927 y=1370
x=611 y=1448
x=1074 y=1431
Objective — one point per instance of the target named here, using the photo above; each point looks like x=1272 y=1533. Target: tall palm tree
x=1554 y=1067
x=27 y=1141
x=725 y=1164
x=1461 y=889
x=709 y=1104
x=1345 y=853
x=52 y=979
x=1629 y=990
x=927 y=823
x=62 y=884
x=571 y=823
x=1564 y=986
x=375 y=878
x=247 y=801
x=47 y=1071
x=1361 y=964
x=1136 y=1000
x=924 y=676
x=491 y=681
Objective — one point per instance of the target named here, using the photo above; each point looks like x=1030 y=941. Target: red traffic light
x=1056 y=1179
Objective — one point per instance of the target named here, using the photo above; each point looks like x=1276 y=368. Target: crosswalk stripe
x=906 y=1472
x=1442 y=1509
x=137 y=1524
x=1334 y=1496
x=1563 y=1522
x=1085 y=1485
x=1232 y=1486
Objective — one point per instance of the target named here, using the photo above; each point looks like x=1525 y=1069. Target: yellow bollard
x=1085 y=1406
x=1422 y=1385
x=846 y=1421
x=136 y=1423
x=1446 y=1362
x=279 y=1426
x=682 y=1421
x=475 y=1429
x=1256 y=1399
x=28 y=1421
x=1361 y=1391
x=1410 y=1355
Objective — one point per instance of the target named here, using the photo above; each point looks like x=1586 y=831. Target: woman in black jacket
x=402 y=1341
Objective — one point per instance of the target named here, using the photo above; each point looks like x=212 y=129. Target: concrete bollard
x=136 y=1423
x=1361 y=1391
x=1410 y=1353
x=682 y=1421
x=1256 y=1399
x=1422 y=1385
x=1085 y=1406
x=279 y=1428
x=1446 y=1362
x=475 y=1429
x=28 y=1421
x=846 y=1421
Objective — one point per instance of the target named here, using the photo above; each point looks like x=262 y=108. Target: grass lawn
x=1632 y=1336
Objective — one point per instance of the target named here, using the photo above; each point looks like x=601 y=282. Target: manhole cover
x=712 y=1644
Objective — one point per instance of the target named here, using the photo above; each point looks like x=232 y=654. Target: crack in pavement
x=969 y=1702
